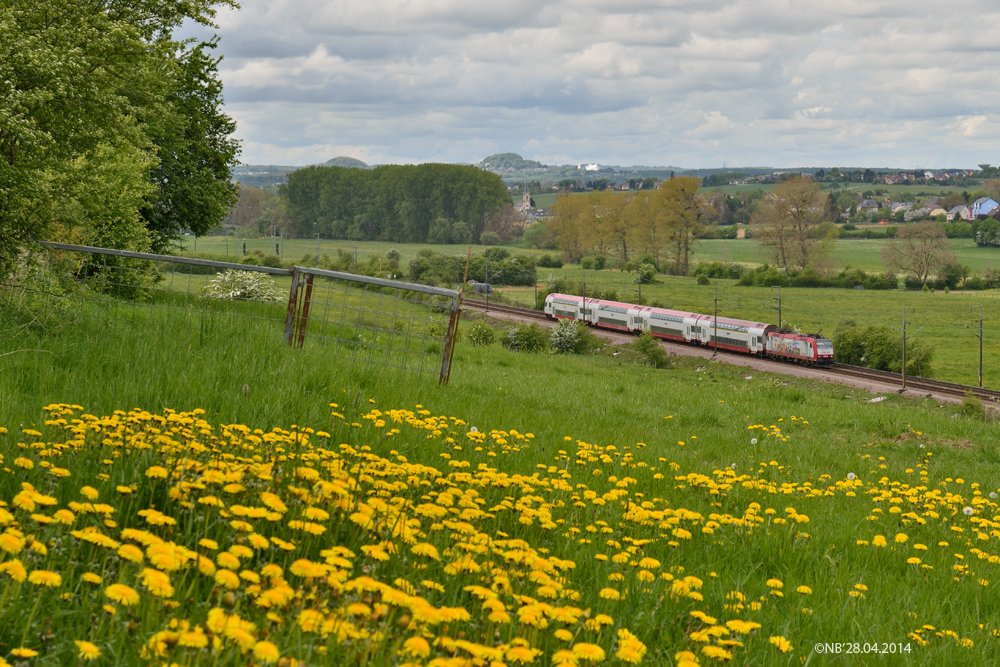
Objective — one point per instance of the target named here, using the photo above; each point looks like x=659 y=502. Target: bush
x=526 y=338
x=718 y=270
x=972 y=407
x=649 y=346
x=257 y=258
x=565 y=337
x=496 y=254
x=243 y=285
x=489 y=238
x=881 y=348
x=550 y=262
x=647 y=272
x=480 y=335
x=703 y=279
x=600 y=261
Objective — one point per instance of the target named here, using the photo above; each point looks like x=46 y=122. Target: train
x=724 y=333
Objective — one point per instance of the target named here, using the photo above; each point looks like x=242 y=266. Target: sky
x=687 y=83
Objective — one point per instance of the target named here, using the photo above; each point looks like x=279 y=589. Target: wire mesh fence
x=365 y=320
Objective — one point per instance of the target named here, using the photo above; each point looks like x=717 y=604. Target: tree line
x=111 y=131
x=435 y=203
x=660 y=223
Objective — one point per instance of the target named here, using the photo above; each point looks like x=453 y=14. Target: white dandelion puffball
x=993 y=495
x=851 y=476
x=474 y=430
x=753 y=441
x=968 y=511
x=733 y=466
x=921 y=445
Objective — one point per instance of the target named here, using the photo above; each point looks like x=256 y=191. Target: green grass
x=595 y=421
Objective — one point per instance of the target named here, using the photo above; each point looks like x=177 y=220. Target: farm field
x=860 y=253
x=633 y=516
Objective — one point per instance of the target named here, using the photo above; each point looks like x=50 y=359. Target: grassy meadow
x=942 y=320
x=191 y=496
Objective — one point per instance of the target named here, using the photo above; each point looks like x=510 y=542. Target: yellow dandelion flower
x=88 y=651
x=122 y=594
x=266 y=652
x=45 y=578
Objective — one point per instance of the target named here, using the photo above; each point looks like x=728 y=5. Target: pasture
x=942 y=320
x=211 y=499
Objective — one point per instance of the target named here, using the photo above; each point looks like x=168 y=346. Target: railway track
x=883 y=377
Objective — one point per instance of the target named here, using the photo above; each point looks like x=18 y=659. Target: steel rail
x=885 y=377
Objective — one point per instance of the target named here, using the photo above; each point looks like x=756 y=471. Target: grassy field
x=541 y=509
x=861 y=253
x=940 y=319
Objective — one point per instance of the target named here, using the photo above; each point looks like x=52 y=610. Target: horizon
x=700 y=84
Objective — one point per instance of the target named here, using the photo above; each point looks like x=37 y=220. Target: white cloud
x=684 y=82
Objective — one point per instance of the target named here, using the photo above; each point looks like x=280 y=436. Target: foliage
x=572 y=337
x=881 y=348
x=649 y=346
x=593 y=263
x=972 y=407
x=401 y=203
x=489 y=238
x=703 y=279
x=646 y=273
x=496 y=254
x=517 y=270
x=244 y=286
x=661 y=223
x=550 y=262
x=789 y=225
x=83 y=82
x=920 y=249
x=538 y=235
x=718 y=270
x=526 y=338
x=196 y=150
x=565 y=337
x=481 y=334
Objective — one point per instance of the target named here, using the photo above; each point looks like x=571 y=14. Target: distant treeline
x=404 y=203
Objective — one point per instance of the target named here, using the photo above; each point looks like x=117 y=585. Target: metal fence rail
x=369 y=320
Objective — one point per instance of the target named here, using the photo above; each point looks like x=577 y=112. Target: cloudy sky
x=690 y=83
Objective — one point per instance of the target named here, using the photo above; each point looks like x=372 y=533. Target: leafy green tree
x=196 y=150
x=77 y=80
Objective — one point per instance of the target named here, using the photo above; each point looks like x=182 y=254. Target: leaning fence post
x=304 y=311
x=456 y=315
x=449 y=345
x=293 y=294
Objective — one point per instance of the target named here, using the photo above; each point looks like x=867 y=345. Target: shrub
x=550 y=262
x=972 y=407
x=600 y=261
x=649 y=346
x=881 y=348
x=647 y=272
x=243 y=285
x=489 y=238
x=526 y=338
x=496 y=254
x=565 y=337
x=703 y=279
x=480 y=335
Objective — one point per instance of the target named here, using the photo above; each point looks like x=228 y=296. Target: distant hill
x=506 y=162
x=346 y=162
